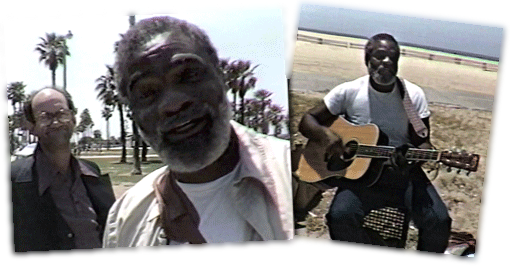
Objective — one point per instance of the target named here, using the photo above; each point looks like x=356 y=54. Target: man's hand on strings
x=398 y=159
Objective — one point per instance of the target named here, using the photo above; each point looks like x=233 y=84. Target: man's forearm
x=311 y=129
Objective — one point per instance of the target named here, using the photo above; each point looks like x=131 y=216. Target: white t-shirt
x=219 y=221
x=360 y=104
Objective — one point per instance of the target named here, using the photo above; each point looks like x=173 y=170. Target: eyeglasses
x=62 y=116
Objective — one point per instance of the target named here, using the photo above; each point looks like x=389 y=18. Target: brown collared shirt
x=70 y=197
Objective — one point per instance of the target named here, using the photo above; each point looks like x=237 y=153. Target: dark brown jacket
x=38 y=226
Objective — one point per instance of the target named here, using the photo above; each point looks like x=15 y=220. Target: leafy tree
x=97 y=135
x=14 y=142
x=85 y=142
x=86 y=122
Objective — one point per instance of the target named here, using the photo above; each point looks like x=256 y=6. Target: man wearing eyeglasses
x=59 y=202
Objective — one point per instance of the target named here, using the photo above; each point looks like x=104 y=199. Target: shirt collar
x=46 y=173
x=251 y=166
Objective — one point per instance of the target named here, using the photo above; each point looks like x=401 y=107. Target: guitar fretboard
x=387 y=151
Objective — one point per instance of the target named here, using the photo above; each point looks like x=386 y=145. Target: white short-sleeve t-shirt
x=219 y=220
x=360 y=104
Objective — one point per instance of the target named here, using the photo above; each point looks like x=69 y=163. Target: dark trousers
x=429 y=213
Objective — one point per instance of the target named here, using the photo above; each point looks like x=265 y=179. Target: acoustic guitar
x=361 y=147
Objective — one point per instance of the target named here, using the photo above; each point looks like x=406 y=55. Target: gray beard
x=381 y=80
x=190 y=157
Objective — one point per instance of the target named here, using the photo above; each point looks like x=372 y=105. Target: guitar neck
x=412 y=154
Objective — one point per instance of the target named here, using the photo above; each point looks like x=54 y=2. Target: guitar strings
x=384 y=151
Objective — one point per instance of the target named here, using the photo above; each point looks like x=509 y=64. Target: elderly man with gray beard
x=222 y=181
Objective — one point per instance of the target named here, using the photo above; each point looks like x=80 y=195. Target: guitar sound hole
x=351 y=149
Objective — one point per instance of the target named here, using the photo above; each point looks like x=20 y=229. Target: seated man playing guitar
x=379 y=99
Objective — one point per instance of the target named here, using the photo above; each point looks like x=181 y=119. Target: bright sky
x=247 y=34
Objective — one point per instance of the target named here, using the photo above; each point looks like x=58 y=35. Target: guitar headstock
x=461 y=160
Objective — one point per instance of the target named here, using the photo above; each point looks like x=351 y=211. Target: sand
x=349 y=64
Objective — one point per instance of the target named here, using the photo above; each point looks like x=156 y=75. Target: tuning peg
x=468 y=172
x=458 y=171
x=448 y=169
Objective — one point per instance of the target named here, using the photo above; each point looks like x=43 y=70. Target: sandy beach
x=348 y=64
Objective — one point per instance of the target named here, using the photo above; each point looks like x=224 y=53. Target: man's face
x=54 y=122
x=179 y=102
x=383 y=63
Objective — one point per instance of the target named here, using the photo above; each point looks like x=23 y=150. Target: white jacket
x=262 y=194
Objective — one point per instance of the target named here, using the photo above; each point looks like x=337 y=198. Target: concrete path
x=309 y=82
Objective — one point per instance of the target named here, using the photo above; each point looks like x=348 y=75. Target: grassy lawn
x=113 y=151
x=121 y=172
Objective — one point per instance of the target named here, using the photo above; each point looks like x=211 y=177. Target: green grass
x=129 y=152
x=121 y=172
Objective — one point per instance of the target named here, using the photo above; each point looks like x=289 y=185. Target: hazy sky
x=457 y=36
x=255 y=35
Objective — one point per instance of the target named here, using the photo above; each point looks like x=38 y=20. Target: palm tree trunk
x=242 y=110
x=263 y=118
x=53 y=76
x=145 y=149
x=122 y=133
x=137 y=169
x=235 y=106
x=107 y=134
x=65 y=72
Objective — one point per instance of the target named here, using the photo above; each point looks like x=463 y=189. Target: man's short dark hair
x=27 y=105
x=132 y=42
x=379 y=37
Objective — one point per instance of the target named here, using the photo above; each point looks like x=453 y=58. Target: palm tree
x=228 y=70
x=251 y=112
x=275 y=116
x=244 y=87
x=52 y=52
x=137 y=168
x=238 y=76
x=66 y=53
x=16 y=94
x=263 y=97
x=107 y=93
x=107 y=113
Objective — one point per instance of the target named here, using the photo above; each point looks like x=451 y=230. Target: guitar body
x=312 y=166
x=365 y=155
